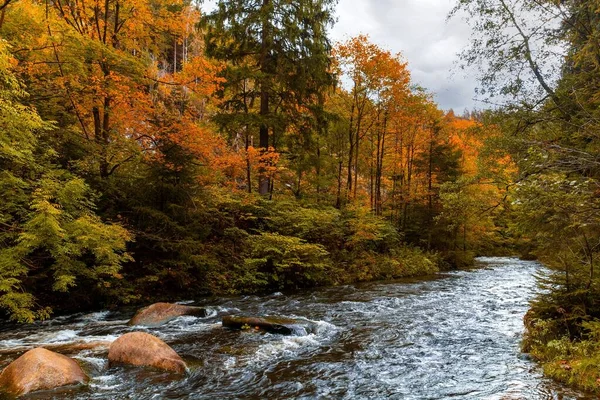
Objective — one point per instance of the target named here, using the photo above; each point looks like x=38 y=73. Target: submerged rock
x=76 y=347
x=283 y=326
x=160 y=313
x=40 y=369
x=144 y=350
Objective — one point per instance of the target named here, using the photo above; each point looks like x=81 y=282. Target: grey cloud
x=417 y=29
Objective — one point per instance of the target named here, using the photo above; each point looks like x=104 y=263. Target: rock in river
x=283 y=326
x=161 y=313
x=143 y=349
x=40 y=369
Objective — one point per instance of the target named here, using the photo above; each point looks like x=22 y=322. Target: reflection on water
x=455 y=336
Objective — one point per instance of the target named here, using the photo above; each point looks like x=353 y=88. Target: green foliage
x=573 y=362
x=50 y=237
x=258 y=246
x=405 y=262
x=288 y=262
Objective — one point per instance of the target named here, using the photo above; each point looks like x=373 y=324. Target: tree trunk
x=264 y=182
x=338 y=202
x=350 y=152
x=318 y=170
x=248 y=164
x=356 y=158
x=379 y=170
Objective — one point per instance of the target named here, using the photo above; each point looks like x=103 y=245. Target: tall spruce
x=279 y=54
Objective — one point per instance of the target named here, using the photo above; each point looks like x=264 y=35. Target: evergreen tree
x=278 y=54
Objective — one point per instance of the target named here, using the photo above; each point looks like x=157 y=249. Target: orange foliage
x=101 y=58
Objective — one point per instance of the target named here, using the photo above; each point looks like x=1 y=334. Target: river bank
x=455 y=334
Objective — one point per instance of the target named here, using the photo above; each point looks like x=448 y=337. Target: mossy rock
x=277 y=325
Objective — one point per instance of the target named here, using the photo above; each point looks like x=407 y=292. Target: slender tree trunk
x=297 y=192
x=2 y=14
x=430 y=177
x=271 y=188
x=350 y=152
x=409 y=168
x=101 y=139
x=372 y=173
x=175 y=57
x=356 y=145
x=394 y=179
x=318 y=170
x=264 y=181
x=248 y=164
x=402 y=175
x=590 y=256
x=247 y=140
x=338 y=202
x=379 y=170
x=567 y=280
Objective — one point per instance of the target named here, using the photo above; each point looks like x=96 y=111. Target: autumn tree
x=50 y=236
x=107 y=94
x=151 y=163
x=378 y=86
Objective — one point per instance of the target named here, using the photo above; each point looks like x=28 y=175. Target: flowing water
x=454 y=336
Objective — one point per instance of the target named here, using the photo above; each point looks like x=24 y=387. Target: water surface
x=453 y=336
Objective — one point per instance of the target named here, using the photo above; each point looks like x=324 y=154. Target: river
x=452 y=336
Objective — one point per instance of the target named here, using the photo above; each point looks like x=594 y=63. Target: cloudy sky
x=417 y=29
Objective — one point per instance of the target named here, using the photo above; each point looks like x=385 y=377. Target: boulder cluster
x=44 y=369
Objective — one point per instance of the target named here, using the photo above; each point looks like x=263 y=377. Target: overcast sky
x=417 y=29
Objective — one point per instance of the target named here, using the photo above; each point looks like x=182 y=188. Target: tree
x=379 y=86
x=516 y=47
x=278 y=54
x=50 y=236
x=552 y=136
x=104 y=67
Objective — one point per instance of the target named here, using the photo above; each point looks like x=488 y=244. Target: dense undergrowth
x=563 y=329
x=245 y=244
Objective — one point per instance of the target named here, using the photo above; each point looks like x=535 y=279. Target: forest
x=150 y=151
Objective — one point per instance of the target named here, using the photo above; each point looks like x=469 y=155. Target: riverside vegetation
x=151 y=152
x=543 y=59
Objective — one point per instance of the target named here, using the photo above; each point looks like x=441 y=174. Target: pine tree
x=278 y=54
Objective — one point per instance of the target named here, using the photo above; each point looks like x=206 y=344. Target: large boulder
x=40 y=369
x=282 y=326
x=161 y=313
x=143 y=349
